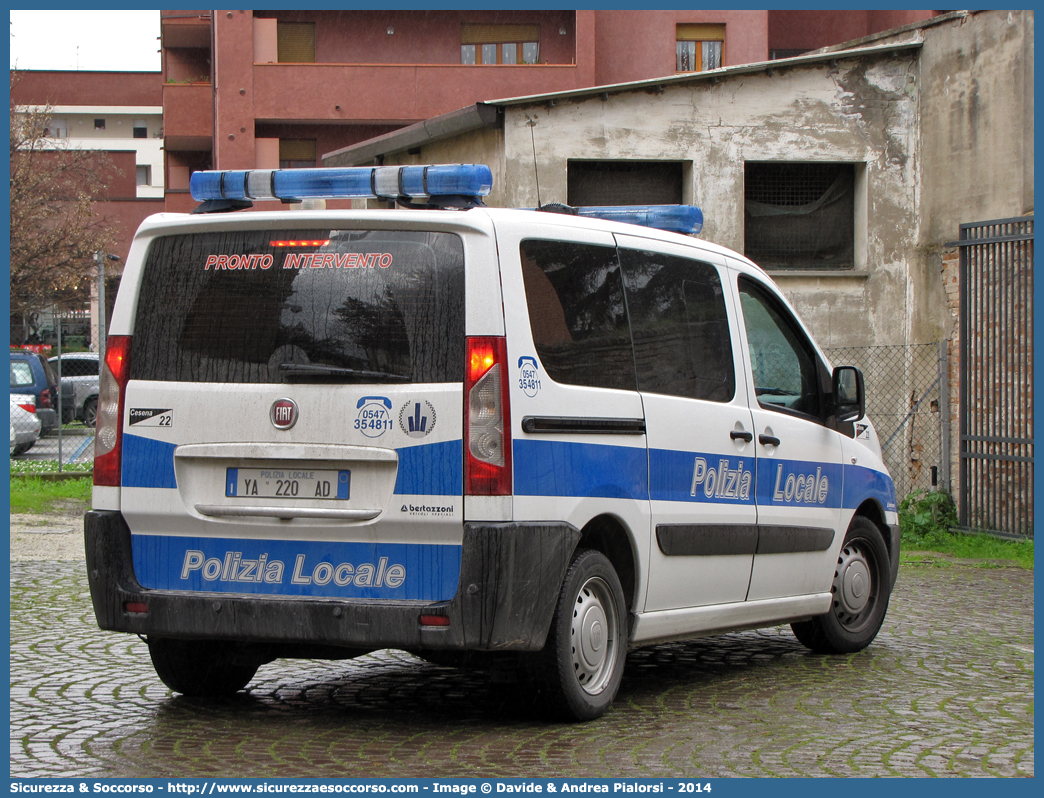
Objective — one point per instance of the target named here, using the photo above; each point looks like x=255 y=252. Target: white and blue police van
x=470 y=433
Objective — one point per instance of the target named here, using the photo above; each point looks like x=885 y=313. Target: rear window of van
x=302 y=306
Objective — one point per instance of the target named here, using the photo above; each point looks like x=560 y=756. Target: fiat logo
x=283 y=413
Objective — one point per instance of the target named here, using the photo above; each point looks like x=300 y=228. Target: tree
x=55 y=227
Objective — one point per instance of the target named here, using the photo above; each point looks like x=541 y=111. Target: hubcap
x=853 y=585
x=593 y=632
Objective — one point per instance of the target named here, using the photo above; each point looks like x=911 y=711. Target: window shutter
x=297 y=150
x=475 y=33
x=701 y=33
x=296 y=42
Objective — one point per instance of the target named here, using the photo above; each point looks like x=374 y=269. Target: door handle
x=741 y=435
x=768 y=440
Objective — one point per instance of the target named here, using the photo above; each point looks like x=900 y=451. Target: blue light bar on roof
x=672 y=218
x=354 y=182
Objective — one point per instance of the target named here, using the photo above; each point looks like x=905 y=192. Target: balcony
x=394 y=93
x=188 y=122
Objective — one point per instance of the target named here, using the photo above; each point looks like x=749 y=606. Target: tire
x=200 y=667
x=861 y=589
x=90 y=412
x=22 y=448
x=580 y=669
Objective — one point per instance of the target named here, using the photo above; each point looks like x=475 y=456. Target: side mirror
x=849 y=396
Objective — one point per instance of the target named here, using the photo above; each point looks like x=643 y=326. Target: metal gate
x=996 y=390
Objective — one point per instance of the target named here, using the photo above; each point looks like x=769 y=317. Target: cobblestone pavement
x=946 y=690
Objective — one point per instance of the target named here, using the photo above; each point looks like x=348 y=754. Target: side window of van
x=577 y=313
x=682 y=345
x=781 y=359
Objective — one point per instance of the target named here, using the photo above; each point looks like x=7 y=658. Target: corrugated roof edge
x=490 y=113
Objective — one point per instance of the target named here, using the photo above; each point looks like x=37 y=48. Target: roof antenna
x=536 y=173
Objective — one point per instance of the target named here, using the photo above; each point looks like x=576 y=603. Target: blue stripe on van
x=559 y=468
x=798 y=483
x=417 y=572
x=864 y=483
x=147 y=463
x=431 y=469
x=699 y=477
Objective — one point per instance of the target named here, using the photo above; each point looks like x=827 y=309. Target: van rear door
x=294 y=411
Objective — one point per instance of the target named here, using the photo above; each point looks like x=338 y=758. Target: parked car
x=25 y=426
x=80 y=369
x=32 y=374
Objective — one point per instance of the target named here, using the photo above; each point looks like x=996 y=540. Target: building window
x=624 y=182
x=295 y=42
x=56 y=129
x=800 y=215
x=144 y=175
x=700 y=47
x=499 y=44
x=297 y=153
x=141 y=129
x=99 y=124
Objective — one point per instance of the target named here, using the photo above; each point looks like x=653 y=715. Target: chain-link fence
x=54 y=394
x=908 y=402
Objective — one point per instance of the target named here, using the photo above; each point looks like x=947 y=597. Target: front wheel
x=200 y=667
x=583 y=659
x=860 y=589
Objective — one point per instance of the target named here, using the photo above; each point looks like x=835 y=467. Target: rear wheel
x=200 y=667
x=582 y=663
x=22 y=448
x=860 y=595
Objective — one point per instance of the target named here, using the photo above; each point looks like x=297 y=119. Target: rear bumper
x=48 y=418
x=509 y=582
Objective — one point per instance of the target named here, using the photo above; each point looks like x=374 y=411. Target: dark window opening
x=800 y=215
x=624 y=182
x=99 y=124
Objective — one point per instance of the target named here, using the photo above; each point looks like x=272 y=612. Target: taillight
x=29 y=407
x=112 y=385
x=487 y=419
x=45 y=398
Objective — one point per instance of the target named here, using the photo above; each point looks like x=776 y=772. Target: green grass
x=36 y=495
x=975 y=547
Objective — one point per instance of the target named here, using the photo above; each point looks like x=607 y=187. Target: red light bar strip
x=299 y=243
